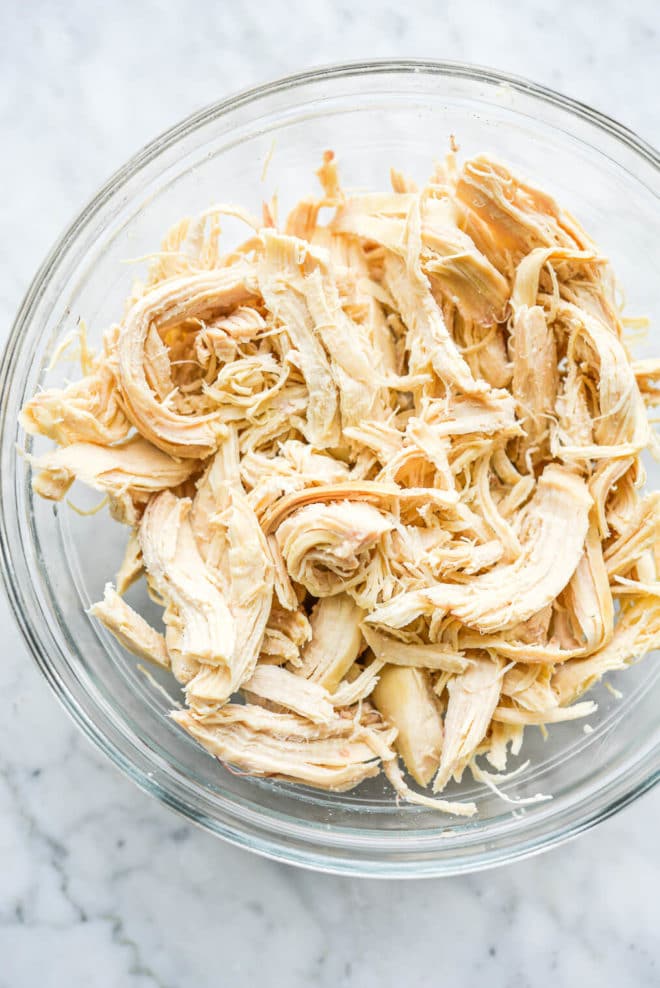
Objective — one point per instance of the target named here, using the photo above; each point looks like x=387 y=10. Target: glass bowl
x=55 y=561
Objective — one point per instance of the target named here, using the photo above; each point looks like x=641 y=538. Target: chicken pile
x=382 y=473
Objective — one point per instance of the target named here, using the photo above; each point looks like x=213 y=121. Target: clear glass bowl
x=55 y=562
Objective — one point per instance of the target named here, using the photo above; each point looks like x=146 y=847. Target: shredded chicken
x=473 y=696
x=292 y=692
x=405 y=698
x=335 y=641
x=383 y=475
x=337 y=759
x=130 y=628
x=511 y=593
x=128 y=472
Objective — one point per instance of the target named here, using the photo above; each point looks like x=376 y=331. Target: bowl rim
x=647 y=772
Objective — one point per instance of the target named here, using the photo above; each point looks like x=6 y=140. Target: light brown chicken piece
x=199 y=626
x=196 y=296
x=130 y=628
x=436 y=656
x=87 y=411
x=507 y=218
x=279 y=282
x=302 y=697
x=335 y=642
x=129 y=471
x=328 y=547
x=436 y=449
x=428 y=340
x=406 y=700
x=637 y=632
x=473 y=696
x=335 y=762
x=449 y=258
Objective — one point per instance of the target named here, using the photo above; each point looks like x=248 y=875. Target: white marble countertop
x=106 y=888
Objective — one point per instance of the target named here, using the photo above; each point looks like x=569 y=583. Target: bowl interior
x=59 y=560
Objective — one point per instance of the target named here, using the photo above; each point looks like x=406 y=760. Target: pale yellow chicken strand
x=642 y=533
x=428 y=340
x=130 y=628
x=406 y=700
x=620 y=427
x=636 y=633
x=279 y=282
x=335 y=641
x=473 y=697
x=133 y=467
x=355 y=363
x=199 y=626
x=132 y=565
x=302 y=697
x=334 y=763
x=287 y=631
x=436 y=656
x=247 y=574
x=90 y=410
x=455 y=268
x=589 y=598
x=385 y=494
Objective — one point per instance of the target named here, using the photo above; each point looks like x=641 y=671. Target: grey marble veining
x=106 y=888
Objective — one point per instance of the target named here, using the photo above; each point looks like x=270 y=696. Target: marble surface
x=104 y=887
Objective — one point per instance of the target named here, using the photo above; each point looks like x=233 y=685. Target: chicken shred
x=405 y=698
x=382 y=473
x=130 y=628
x=309 y=700
x=473 y=696
x=335 y=640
